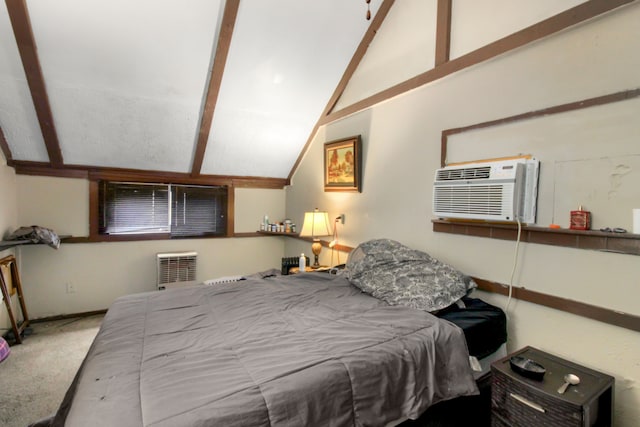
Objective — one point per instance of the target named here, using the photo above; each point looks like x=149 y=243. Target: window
x=198 y=211
x=179 y=210
x=133 y=208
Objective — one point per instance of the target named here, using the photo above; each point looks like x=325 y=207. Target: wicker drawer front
x=497 y=422
x=522 y=406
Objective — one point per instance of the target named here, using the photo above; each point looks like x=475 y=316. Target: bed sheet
x=308 y=349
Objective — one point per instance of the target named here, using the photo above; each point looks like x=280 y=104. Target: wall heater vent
x=498 y=190
x=176 y=267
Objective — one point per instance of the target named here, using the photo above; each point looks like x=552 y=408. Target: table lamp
x=315 y=224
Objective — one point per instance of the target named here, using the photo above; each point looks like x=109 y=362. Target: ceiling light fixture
x=368 y=9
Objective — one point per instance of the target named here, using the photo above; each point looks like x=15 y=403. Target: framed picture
x=343 y=165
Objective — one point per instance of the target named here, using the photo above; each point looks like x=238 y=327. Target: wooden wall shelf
x=326 y=244
x=278 y=233
x=6 y=244
x=623 y=243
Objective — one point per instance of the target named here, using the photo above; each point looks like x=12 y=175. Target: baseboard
x=68 y=316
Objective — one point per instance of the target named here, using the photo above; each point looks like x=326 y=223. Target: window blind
x=134 y=208
x=198 y=211
x=181 y=210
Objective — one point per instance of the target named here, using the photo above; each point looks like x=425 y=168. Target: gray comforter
x=303 y=350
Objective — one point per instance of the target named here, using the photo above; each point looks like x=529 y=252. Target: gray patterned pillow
x=400 y=275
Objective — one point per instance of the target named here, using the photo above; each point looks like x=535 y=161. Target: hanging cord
x=515 y=263
x=334 y=241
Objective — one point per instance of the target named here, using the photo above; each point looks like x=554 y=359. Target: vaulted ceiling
x=199 y=88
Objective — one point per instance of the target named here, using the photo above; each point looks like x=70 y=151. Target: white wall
x=61 y=204
x=401 y=140
x=8 y=211
x=506 y=17
x=392 y=57
x=101 y=272
x=8 y=220
x=597 y=167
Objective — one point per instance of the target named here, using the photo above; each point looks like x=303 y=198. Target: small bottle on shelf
x=302 y=264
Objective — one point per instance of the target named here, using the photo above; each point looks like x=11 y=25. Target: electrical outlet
x=341 y=218
x=71 y=289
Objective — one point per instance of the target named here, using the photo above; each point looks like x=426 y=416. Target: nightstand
x=519 y=402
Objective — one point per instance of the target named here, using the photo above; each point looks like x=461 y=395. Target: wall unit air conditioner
x=497 y=190
x=176 y=267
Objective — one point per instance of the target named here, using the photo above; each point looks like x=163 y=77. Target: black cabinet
x=521 y=402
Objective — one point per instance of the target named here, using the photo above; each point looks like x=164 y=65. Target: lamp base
x=316 y=248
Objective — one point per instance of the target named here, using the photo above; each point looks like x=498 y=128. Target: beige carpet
x=37 y=373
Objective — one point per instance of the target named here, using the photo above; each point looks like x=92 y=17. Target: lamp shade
x=315 y=224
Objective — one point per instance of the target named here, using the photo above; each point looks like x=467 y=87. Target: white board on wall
x=588 y=157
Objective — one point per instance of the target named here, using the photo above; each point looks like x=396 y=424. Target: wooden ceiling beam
x=213 y=89
x=443 y=31
x=545 y=28
x=137 y=175
x=379 y=18
x=381 y=14
x=21 y=23
x=4 y=146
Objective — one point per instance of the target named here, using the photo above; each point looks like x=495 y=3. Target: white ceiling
x=127 y=81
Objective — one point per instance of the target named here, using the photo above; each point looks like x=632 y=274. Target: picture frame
x=343 y=165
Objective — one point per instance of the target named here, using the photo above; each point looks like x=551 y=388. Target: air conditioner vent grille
x=479 y=199
x=176 y=267
x=463 y=173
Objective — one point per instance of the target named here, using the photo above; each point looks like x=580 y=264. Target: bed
x=270 y=350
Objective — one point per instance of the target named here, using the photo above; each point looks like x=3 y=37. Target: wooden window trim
x=95 y=236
